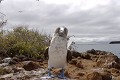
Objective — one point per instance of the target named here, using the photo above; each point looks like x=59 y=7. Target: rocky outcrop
x=108 y=61
x=90 y=65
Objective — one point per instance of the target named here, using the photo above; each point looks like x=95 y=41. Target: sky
x=86 y=20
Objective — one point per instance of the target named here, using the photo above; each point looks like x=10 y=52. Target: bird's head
x=61 y=31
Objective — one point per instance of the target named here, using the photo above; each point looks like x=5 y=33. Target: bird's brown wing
x=46 y=56
x=69 y=56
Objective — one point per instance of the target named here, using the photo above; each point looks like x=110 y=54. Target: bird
x=20 y=11
x=57 y=53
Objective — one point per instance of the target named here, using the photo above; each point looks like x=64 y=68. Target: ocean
x=114 y=48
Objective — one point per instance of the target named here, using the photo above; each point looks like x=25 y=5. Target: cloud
x=100 y=21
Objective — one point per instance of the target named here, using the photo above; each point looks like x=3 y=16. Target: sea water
x=114 y=48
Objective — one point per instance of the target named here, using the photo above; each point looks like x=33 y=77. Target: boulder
x=75 y=54
x=16 y=59
x=30 y=65
x=4 y=71
x=7 y=60
x=92 y=51
x=86 y=56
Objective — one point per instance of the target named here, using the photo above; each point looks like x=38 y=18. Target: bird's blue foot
x=49 y=74
x=62 y=76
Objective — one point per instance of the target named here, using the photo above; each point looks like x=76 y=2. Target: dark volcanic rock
x=92 y=51
x=22 y=57
x=86 y=56
x=75 y=54
x=30 y=65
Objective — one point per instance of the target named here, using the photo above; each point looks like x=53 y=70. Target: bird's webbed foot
x=49 y=74
x=62 y=76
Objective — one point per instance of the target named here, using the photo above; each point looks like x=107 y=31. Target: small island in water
x=114 y=42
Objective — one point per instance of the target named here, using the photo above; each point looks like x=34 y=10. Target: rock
x=86 y=56
x=73 y=61
x=113 y=65
x=4 y=64
x=98 y=52
x=106 y=76
x=75 y=54
x=16 y=59
x=17 y=69
x=3 y=77
x=108 y=61
x=3 y=71
x=81 y=74
x=94 y=76
x=22 y=58
x=12 y=62
x=0 y=60
x=94 y=59
x=79 y=64
x=8 y=69
x=115 y=72
x=67 y=74
x=7 y=60
x=30 y=65
x=92 y=51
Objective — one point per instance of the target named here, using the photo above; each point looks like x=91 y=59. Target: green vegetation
x=22 y=41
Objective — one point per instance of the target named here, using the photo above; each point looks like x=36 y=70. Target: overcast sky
x=87 y=20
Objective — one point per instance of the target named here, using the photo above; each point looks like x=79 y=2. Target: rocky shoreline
x=90 y=65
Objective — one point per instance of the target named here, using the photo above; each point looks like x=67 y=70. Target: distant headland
x=114 y=42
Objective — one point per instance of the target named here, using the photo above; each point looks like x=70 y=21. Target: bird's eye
x=66 y=30
x=57 y=30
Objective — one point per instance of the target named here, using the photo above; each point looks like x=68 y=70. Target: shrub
x=22 y=41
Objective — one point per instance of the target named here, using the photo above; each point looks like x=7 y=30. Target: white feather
x=57 y=52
